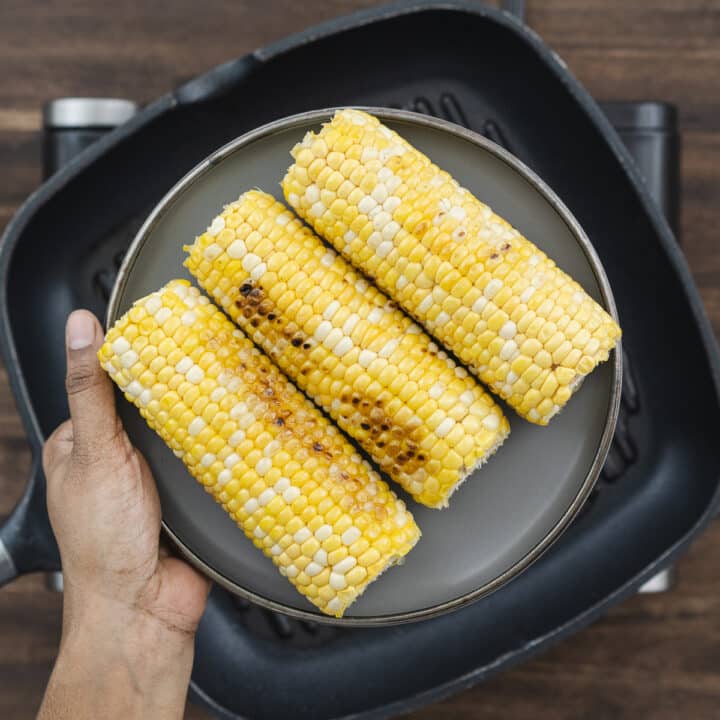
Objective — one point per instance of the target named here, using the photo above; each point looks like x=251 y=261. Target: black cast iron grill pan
x=503 y=80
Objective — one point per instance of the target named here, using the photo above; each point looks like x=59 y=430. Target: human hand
x=130 y=611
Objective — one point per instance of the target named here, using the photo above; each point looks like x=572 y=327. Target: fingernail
x=80 y=331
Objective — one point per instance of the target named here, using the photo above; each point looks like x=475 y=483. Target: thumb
x=89 y=390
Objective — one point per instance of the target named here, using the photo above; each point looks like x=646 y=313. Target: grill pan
x=483 y=69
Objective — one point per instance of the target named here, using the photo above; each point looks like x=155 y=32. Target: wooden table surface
x=654 y=656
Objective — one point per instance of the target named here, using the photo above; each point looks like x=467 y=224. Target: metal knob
x=72 y=124
x=78 y=112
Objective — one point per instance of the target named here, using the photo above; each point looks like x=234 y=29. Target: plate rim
x=395 y=115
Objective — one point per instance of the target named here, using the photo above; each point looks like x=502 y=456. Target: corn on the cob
x=505 y=309
x=425 y=421
x=278 y=467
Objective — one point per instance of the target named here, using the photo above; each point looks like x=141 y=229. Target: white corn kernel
x=120 y=346
x=344 y=346
x=331 y=309
x=231 y=460
x=196 y=426
x=281 y=485
x=337 y=581
x=492 y=288
x=291 y=494
x=350 y=535
x=345 y=565
x=376 y=315
x=250 y=261
x=262 y=467
x=195 y=374
x=366 y=357
x=216 y=227
x=436 y=390
x=444 y=427
x=251 y=506
x=323 y=532
x=350 y=323
x=265 y=497
x=322 y=331
x=302 y=535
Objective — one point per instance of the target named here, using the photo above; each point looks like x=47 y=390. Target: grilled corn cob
x=425 y=421
x=522 y=325
x=277 y=466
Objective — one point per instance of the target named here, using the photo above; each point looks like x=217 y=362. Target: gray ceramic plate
x=500 y=520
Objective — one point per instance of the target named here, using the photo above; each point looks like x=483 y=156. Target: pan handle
x=27 y=543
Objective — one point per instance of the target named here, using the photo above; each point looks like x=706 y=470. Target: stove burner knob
x=72 y=124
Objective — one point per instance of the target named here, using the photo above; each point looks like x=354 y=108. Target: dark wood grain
x=654 y=657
